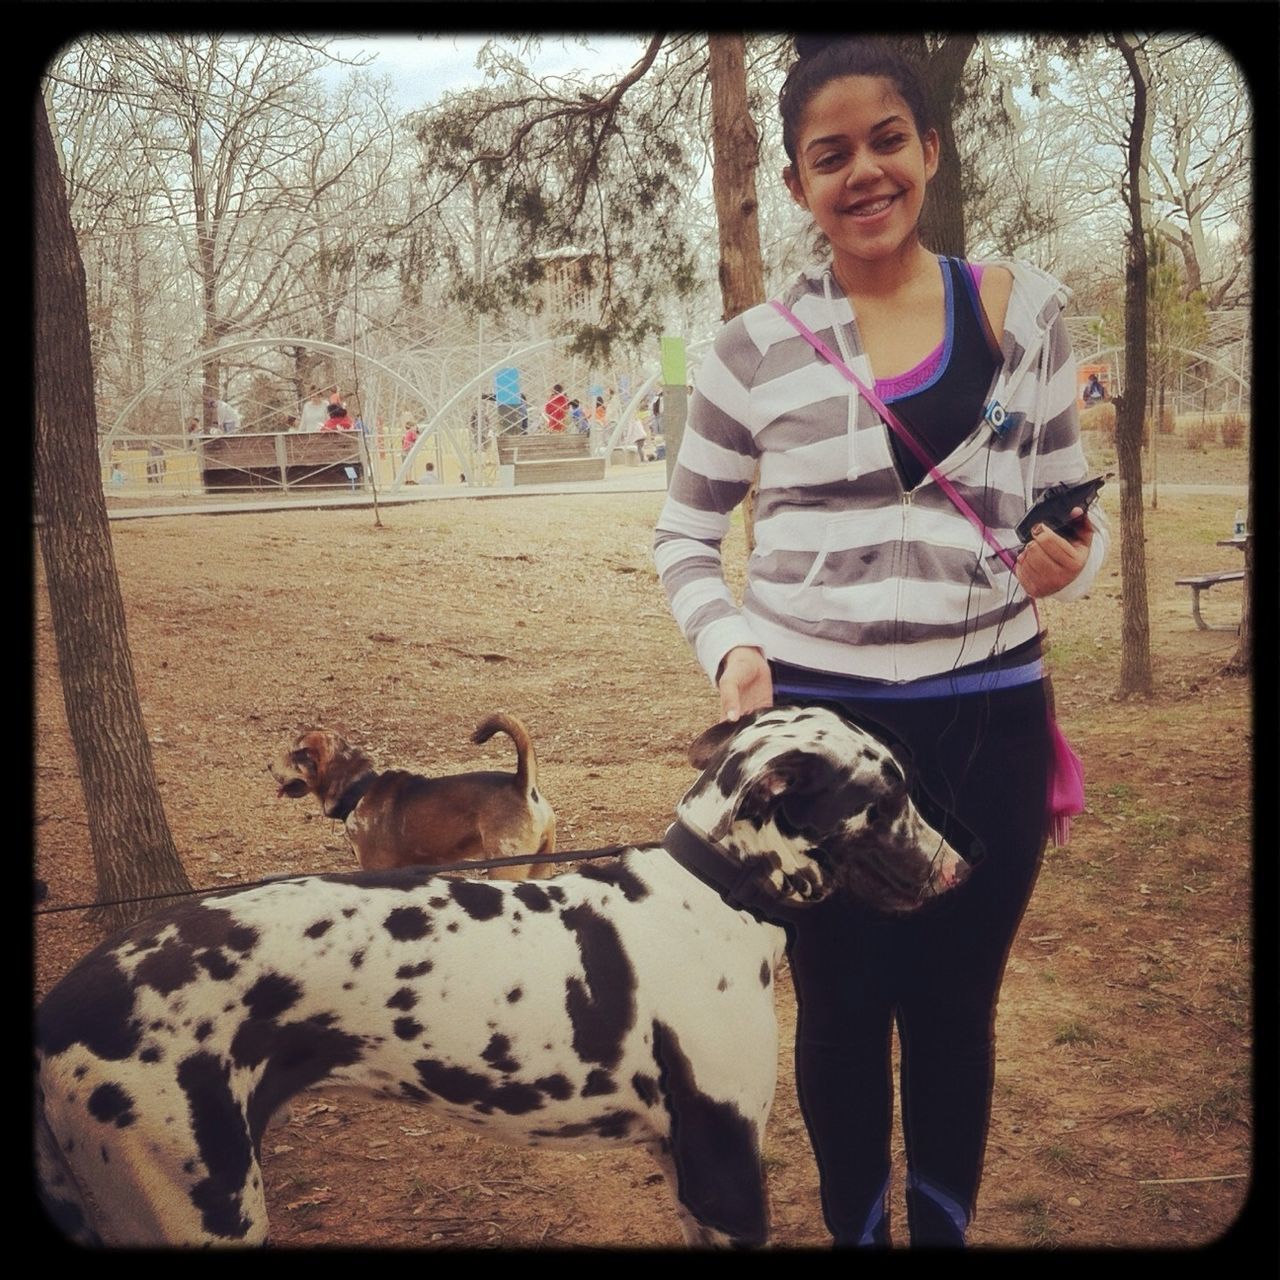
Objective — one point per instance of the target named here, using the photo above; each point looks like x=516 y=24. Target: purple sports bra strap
x=902 y=432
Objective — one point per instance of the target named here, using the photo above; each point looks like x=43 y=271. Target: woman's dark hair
x=821 y=59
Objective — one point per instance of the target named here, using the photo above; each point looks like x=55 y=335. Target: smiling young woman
x=870 y=589
x=861 y=167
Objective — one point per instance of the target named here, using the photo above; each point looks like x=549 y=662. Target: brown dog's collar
x=351 y=797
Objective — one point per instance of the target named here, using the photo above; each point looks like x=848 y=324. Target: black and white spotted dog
x=628 y=1002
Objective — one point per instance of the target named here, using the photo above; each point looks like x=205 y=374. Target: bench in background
x=1203 y=582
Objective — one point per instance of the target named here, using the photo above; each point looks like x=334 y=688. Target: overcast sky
x=424 y=67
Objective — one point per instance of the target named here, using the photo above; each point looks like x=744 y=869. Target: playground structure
x=462 y=430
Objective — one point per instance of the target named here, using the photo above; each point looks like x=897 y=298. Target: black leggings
x=983 y=762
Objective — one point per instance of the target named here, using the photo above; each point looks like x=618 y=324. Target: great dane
x=626 y=1002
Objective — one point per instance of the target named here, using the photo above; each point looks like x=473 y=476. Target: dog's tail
x=526 y=761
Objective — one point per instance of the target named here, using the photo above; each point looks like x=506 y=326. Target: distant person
x=408 y=440
x=556 y=408
x=338 y=419
x=193 y=426
x=656 y=409
x=637 y=435
x=429 y=474
x=1094 y=391
x=314 y=411
x=581 y=423
x=225 y=417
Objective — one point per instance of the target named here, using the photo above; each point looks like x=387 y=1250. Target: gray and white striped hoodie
x=850 y=574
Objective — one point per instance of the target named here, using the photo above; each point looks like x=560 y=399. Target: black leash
x=611 y=851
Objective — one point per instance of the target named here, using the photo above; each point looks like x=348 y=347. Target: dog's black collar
x=742 y=887
x=351 y=797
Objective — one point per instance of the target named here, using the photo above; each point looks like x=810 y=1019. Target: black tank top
x=944 y=411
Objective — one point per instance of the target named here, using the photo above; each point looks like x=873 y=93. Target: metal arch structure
x=468 y=388
x=1188 y=352
x=474 y=384
x=1226 y=372
x=624 y=419
x=239 y=344
x=468 y=451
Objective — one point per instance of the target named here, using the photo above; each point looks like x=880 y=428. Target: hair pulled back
x=823 y=58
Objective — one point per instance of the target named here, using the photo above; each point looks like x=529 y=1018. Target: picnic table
x=1204 y=581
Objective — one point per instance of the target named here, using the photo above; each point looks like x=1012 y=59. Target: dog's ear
x=760 y=798
x=703 y=748
x=313 y=747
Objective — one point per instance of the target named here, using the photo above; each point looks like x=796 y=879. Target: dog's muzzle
x=951 y=871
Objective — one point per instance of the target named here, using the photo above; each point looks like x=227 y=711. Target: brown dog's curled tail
x=527 y=762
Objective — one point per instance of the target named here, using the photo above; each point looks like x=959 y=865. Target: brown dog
x=399 y=819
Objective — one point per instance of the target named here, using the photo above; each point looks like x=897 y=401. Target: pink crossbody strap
x=902 y=432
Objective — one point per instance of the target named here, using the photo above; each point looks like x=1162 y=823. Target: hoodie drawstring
x=1042 y=381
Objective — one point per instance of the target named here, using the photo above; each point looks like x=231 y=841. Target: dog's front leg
x=699 y=1234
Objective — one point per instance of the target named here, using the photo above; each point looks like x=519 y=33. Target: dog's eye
x=300 y=757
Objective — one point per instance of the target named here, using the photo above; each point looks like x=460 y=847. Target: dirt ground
x=1122 y=1115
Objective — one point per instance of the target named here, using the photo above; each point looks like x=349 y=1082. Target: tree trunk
x=942 y=228
x=735 y=145
x=1135 y=624
x=1155 y=445
x=132 y=848
x=736 y=154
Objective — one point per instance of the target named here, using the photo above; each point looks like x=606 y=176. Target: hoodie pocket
x=852 y=574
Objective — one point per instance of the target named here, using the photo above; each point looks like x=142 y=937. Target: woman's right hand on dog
x=745 y=682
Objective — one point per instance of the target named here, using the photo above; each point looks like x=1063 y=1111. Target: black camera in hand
x=1056 y=505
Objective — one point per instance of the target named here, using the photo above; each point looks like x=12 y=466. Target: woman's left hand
x=1048 y=562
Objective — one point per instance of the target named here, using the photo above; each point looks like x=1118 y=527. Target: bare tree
x=265 y=190
x=1200 y=165
x=133 y=285
x=1135 y=625
x=132 y=847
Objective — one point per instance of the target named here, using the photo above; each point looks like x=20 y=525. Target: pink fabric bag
x=1066 y=786
x=1065 y=796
